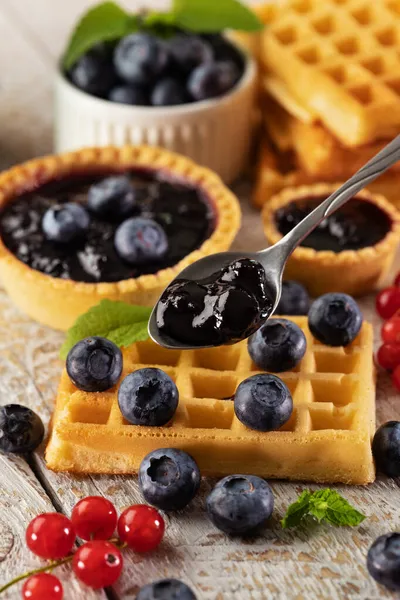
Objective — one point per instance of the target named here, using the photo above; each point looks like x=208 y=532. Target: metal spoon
x=273 y=259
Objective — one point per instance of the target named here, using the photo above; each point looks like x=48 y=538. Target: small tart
x=57 y=302
x=333 y=264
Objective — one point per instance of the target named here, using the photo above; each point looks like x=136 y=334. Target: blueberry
x=65 y=223
x=21 y=429
x=169 y=478
x=141 y=58
x=94 y=364
x=263 y=402
x=113 y=196
x=335 y=319
x=386 y=448
x=383 y=560
x=211 y=80
x=189 y=51
x=148 y=397
x=169 y=92
x=294 y=299
x=140 y=241
x=166 y=589
x=279 y=345
x=126 y=94
x=93 y=72
x=240 y=504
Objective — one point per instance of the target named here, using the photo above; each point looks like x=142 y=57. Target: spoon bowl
x=273 y=259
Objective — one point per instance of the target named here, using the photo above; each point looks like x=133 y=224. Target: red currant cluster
x=97 y=562
x=388 y=307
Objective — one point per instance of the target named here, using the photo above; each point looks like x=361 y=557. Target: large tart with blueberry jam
x=116 y=223
x=351 y=251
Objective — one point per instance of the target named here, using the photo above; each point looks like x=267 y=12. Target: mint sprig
x=109 y=22
x=322 y=505
x=119 y=322
x=103 y=23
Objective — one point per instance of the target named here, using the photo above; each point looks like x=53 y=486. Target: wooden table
x=307 y=563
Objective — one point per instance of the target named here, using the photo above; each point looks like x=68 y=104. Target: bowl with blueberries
x=172 y=79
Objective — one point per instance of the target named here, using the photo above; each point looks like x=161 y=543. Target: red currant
x=391 y=329
x=396 y=378
x=388 y=356
x=50 y=535
x=98 y=563
x=397 y=280
x=388 y=302
x=141 y=527
x=42 y=586
x=94 y=518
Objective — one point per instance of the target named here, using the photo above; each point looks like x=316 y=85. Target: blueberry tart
x=351 y=251
x=116 y=223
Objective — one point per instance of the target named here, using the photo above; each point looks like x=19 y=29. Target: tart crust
x=354 y=272
x=58 y=302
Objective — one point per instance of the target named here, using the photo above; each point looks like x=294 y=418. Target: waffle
x=317 y=151
x=276 y=171
x=341 y=60
x=327 y=439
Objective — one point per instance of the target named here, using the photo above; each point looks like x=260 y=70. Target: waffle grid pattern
x=341 y=58
x=332 y=401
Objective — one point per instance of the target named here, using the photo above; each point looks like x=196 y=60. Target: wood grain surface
x=320 y=562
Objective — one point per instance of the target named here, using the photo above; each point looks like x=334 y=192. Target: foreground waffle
x=340 y=59
x=327 y=439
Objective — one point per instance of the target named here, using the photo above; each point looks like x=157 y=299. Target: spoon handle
x=389 y=155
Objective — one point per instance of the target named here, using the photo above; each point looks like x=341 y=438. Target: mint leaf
x=119 y=322
x=104 y=22
x=324 y=505
x=208 y=16
x=331 y=506
x=297 y=510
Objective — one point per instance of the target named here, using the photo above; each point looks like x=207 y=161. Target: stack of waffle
x=330 y=91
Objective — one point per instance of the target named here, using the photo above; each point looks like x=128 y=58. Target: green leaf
x=324 y=505
x=119 y=322
x=331 y=506
x=104 y=22
x=208 y=16
x=297 y=510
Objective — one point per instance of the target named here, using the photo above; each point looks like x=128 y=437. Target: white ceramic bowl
x=214 y=133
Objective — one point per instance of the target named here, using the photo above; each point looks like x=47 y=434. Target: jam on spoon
x=226 y=307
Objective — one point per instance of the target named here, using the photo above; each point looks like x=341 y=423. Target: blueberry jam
x=226 y=307
x=356 y=225
x=181 y=211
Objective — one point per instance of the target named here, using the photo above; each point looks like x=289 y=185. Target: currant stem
x=48 y=567
x=53 y=565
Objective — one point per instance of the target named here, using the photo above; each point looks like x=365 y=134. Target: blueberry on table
x=169 y=478
x=279 y=345
x=383 y=560
x=127 y=94
x=386 y=448
x=112 y=197
x=189 y=51
x=335 y=319
x=65 y=223
x=94 y=364
x=148 y=397
x=212 y=80
x=140 y=240
x=21 y=429
x=240 y=504
x=169 y=92
x=141 y=58
x=294 y=299
x=93 y=72
x=166 y=589
x=263 y=402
